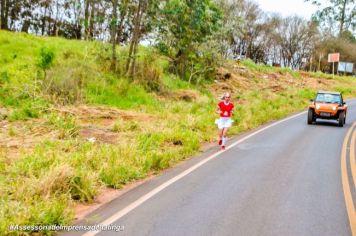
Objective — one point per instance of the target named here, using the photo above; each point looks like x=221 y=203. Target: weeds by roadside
x=150 y=124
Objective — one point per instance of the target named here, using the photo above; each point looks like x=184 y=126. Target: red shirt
x=225 y=109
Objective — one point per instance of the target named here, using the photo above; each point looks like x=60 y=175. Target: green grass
x=79 y=74
x=119 y=93
x=66 y=126
x=254 y=67
x=262 y=68
x=173 y=83
x=42 y=185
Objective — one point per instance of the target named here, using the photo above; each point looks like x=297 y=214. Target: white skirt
x=224 y=122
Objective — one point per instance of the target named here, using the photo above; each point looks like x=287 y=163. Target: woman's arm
x=218 y=111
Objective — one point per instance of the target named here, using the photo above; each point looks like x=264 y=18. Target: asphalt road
x=284 y=180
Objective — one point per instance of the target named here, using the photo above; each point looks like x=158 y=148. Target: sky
x=288 y=7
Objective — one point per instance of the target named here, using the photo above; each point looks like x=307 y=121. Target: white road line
x=153 y=192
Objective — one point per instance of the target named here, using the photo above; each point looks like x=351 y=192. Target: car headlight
x=317 y=107
x=334 y=108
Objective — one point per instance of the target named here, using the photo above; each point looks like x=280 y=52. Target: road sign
x=345 y=67
x=333 y=57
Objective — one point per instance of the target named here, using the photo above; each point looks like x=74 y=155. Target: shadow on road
x=331 y=123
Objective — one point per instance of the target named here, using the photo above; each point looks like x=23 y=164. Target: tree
x=46 y=6
x=144 y=14
x=72 y=27
x=131 y=60
x=231 y=32
x=89 y=18
x=46 y=60
x=342 y=12
x=246 y=31
x=270 y=39
x=113 y=27
x=348 y=36
x=345 y=47
x=124 y=11
x=184 y=25
x=4 y=11
x=297 y=39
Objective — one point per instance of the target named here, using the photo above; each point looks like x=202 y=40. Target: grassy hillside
x=70 y=132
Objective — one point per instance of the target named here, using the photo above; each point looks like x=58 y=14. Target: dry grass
x=70 y=153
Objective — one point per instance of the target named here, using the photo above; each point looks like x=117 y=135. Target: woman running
x=225 y=109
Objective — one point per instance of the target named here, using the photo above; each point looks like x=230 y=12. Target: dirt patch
x=186 y=95
x=275 y=88
x=240 y=70
x=303 y=73
x=24 y=135
x=84 y=112
x=317 y=84
x=4 y=113
x=95 y=134
x=242 y=102
x=94 y=124
x=223 y=74
x=272 y=76
x=234 y=86
x=179 y=95
x=3 y=124
x=234 y=78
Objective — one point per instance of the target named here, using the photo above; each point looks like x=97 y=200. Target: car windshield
x=328 y=98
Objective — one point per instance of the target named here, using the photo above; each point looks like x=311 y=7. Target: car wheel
x=310 y=116
x=341 y=119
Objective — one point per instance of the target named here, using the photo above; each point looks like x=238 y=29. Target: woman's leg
x=224 y=139
x=220 y=136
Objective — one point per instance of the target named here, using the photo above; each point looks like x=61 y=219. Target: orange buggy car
x=328 y=105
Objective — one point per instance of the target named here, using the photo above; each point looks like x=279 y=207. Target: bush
x=149 y=69
x=115 y=174
x=66 y=126
x=149 y=73
x=124 y=126
x=46 y=58
x=34 y=211
x=344 y=90
x=84 y=185
x=27 y=108
x=120 y=167
x=259 y=68
x=119 y=93
x=153 y=162
x=4 y=77
x=307 y=93
x=65 y=84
